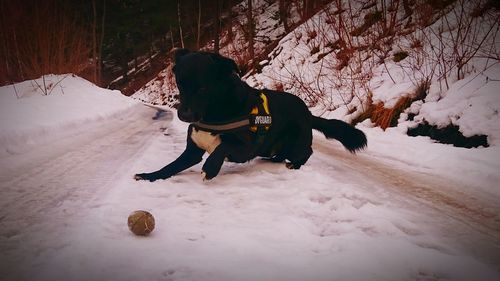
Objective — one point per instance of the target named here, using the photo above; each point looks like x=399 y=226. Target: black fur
x=352 y=138
x=211 y=91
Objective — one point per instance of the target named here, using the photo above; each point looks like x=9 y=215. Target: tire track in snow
x=433 y=194
x=48 y=195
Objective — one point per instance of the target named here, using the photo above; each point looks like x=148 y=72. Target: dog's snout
x=187 y=115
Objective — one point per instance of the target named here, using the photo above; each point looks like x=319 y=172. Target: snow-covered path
x=341 y=217
x=45 y=188
x=471 y=220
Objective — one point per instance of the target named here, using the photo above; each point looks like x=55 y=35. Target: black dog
x=230 y=120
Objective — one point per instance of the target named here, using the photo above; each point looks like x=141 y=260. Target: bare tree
x=307 y=8
x=250 y=30
x=217 y=26
x=199 y=26
x=49 y=38
x=171 y=36
x=101 y=42
x=180 y=23
x=97 y=43
x=94 y=41
x=284 y=15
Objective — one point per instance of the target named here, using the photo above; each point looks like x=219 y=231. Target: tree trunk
x=171 y=36
x=199 y=26
x=180 y=23
x=94 y=42
x=136 y=62
x=101 y=42
x=308 y=7
x=284 y=15
x=407 y=8
x=7 y=57
x=217 y=27
x=250 y=32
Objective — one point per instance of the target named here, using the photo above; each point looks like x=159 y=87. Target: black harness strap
x=258 y=120
x=218 y=128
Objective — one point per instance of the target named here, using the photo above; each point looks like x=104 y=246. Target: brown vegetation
x=45 y=38
x=388 y=117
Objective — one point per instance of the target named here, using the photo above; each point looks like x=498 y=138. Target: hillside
x=268 y=31
x=428 y=66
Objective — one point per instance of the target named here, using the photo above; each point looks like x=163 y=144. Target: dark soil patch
x=448 y=135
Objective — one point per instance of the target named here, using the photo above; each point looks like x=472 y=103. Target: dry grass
x=278 y=86
x=381 y=116
x=388 y=117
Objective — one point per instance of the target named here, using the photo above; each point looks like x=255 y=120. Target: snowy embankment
x=308 y=62
x=40 y=111
x=314 y=63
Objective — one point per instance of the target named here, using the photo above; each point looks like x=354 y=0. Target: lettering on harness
x=263 y=120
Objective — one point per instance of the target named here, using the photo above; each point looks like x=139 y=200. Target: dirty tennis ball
x=141 y=222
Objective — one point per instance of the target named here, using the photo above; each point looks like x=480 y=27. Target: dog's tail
x=351 y=138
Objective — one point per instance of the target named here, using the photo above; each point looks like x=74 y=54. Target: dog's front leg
x=191 y=156
x=234 y=152
x=186 y=160
x=213 y=164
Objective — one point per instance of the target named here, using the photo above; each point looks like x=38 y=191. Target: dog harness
x=258 y=120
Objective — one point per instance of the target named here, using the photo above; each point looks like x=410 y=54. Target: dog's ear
x=178 y=53
x=225 y=65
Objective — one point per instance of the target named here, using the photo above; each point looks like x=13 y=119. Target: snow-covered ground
x=404 y=209
x=308 y=63
x=40 y=111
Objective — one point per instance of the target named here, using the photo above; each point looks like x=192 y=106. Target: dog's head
x=204 y=83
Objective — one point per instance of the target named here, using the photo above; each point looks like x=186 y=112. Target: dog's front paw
x=145 y=176
x=204 y=176
x=292 y=166
x=207 y=177
x=209 y=174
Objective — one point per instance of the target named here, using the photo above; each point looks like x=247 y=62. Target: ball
x=141 y=222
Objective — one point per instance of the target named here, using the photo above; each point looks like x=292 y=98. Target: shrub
x=399 y=56
x=450 y=135
x=40 y=38
x=388 y=117
x=369 y=20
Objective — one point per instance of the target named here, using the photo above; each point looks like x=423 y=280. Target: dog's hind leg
x=277 y=158
x=300 y=151
x=297 y=160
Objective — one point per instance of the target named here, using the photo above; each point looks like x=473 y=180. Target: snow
x=470 y=171
x=340 y=217
x=472 y=103
x=32 y=114
x=406 y=208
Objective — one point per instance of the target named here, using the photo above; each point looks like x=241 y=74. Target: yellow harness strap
x=255 y=111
